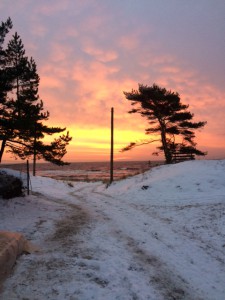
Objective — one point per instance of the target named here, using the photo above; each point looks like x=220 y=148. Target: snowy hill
x=157 y=235
x=191 y=181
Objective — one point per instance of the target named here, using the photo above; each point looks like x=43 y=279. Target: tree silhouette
x=168 y=119
x=4 y=76
x=5 y=85
x=22 y=113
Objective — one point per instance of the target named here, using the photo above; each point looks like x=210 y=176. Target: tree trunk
x=2 y=149
x=34 y=163
x=166 y=150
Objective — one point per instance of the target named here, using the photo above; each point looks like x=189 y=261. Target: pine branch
x=137 y=144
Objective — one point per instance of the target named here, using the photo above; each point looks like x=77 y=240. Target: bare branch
x=136 y=144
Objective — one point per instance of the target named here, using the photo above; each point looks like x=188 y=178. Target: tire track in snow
x=169 y=285
x=157 y=236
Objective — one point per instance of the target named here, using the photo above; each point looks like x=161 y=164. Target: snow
x=157 y=235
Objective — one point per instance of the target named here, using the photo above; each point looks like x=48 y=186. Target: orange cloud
x=96 y=89
x=51 y=82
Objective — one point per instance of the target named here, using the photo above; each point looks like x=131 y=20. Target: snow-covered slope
x=157 y=235
x=188 y=181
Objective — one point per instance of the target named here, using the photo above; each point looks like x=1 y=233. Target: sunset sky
x=89 y=51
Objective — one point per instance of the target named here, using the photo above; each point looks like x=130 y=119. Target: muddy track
x=67 y=228
x=169 y=285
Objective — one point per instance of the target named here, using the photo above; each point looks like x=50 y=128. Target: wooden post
x=112 y=143
x=35 y=144
x=28 y=178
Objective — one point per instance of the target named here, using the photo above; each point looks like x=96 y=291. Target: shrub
x=10 y=186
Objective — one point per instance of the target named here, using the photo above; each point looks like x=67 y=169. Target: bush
x=10 y=186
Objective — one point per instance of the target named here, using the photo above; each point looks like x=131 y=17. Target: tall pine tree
x=5 y=85
x=4 y=76
x=168 y=118
x=22 y=128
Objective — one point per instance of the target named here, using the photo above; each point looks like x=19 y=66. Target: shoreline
x=87 y=172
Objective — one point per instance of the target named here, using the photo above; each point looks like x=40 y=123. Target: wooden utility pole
x=35 y=152
x=112 y=143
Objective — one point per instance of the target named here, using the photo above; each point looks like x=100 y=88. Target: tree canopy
x=22 y=114
x=169 y=120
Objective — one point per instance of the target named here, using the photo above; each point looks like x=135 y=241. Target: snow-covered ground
x=157 y=235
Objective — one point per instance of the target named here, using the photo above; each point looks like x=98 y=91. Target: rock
x=145 y=187
x=12 y=245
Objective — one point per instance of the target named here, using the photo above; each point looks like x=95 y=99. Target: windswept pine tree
x=22 y=123
x=170 y=121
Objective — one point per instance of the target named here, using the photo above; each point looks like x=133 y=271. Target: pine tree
x=4 y=78
x=5 y=84
x=168 y=119
x=22 y=126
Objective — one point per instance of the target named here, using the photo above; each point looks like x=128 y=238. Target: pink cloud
x=59 y=52
x=129 y=42
x=38 y=29
x=100 y=54
x=71 y=32
x=50 y=8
